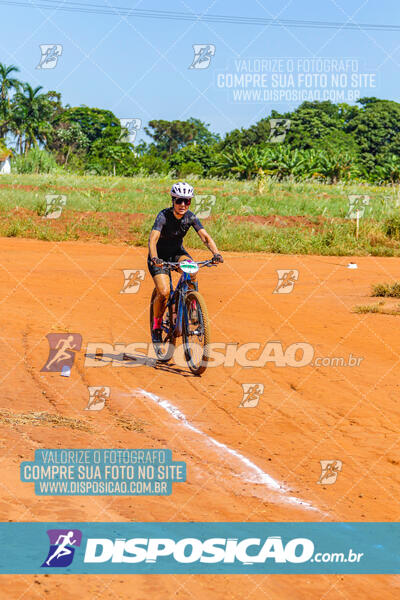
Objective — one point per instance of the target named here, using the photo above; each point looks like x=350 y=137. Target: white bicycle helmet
x=182 y=190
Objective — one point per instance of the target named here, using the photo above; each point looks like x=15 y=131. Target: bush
x=391 y=227
x=391 y=290
x=76 y=164
x=95 y=168
x=190 y=168
x=41 y=208
x=149 y=165
x=35 y=161
x=205 y=156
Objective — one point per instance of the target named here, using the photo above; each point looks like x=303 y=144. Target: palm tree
x=7 y=83
x=32 y=112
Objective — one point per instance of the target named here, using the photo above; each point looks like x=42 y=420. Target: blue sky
x=139 y=68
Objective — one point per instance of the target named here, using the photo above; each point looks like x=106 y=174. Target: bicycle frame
x=180 y=290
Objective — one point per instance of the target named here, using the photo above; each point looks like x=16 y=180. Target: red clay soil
x=305 y=414
x=118 y=225
x=280 y=220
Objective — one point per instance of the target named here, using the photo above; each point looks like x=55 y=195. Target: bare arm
x=153 y=239
x=208 y=241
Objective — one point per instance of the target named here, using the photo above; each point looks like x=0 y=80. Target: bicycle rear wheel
x=196 y=332
x=165 y=350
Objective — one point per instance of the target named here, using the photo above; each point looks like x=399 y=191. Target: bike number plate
x=188 y=266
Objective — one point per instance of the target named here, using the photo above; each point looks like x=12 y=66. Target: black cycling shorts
x=156 y=270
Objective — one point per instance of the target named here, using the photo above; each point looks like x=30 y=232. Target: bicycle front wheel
x=196 y=332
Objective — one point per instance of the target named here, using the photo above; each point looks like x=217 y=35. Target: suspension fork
x=170 y=298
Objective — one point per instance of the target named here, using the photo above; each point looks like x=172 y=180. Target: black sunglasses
x=186 y=201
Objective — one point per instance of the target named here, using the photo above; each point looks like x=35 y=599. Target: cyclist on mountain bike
x=166 y=244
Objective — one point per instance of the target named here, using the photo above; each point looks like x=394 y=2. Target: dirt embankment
x=118 y=226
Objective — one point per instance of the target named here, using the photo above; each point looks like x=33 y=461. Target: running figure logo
x=203 y=204
x=286 y=280
x=357 y=204
x=203 y=54
x=50 y=55
x=129 y=129
x=54 y=205
x=329 y=471
x=133 y=279
x=97 y=397
x=279 y=129
x=251 y=394
x=61 y=551
x=62 y=351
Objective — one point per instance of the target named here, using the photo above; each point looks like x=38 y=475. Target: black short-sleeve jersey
x=173 y=230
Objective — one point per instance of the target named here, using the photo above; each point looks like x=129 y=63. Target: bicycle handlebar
x=203 y=263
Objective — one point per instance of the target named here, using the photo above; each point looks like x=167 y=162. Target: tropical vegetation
x=325 y=142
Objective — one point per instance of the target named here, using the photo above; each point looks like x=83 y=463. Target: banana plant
x=334 y=167
x=244 y=162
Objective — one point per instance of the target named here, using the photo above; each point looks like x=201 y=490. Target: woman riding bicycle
x=166 y=244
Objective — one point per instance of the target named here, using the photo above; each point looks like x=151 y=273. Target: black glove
x=157 y=261
x=217 y=258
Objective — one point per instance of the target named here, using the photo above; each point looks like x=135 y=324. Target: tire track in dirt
x=42 y=387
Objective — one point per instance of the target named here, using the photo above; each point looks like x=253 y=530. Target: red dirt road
x=269 y=465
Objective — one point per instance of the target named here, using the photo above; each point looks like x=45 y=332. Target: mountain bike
x=185 y=316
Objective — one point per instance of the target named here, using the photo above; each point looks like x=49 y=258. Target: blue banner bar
x=103 y=472
x=207 y=548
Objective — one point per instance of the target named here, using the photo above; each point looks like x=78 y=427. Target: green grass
x=377 y=308
x=389 y=290
x=147 y=194
x=327 y=231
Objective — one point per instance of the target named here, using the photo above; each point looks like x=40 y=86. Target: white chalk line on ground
x=258 y=475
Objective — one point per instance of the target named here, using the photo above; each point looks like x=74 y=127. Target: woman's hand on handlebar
x=217 y=258
x=157 y=261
